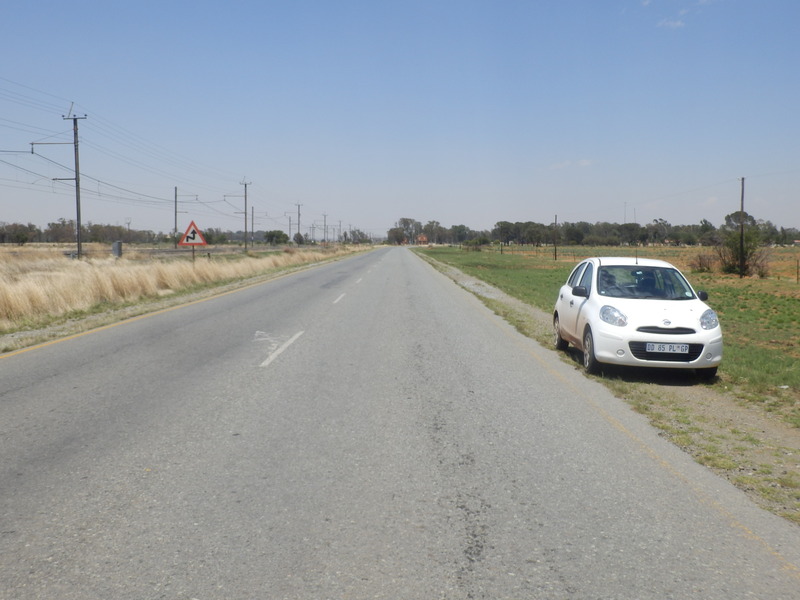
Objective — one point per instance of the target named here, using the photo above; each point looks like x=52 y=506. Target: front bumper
x=705 y=350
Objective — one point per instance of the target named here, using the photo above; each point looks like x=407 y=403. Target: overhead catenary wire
x=105 y=138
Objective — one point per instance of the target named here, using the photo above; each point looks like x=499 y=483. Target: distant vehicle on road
x=636 y=312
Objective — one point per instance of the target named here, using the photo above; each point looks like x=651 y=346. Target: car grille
x=638 y=350
x=667 y=330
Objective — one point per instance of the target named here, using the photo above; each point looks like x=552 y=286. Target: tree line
x=738 y=246
x=64 y=231
x=582 y=233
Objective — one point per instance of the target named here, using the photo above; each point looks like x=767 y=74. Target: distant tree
x=573 y=233
x=215 y=235
x=708 y=234
x=360 y=237
x=603 y=234
x=107 y=233
x=62 y=231
x=411 y=229
x=739 y=250
x=396 y=236
x=459 y=233
x=504 y=232
x=276 y=237
x=17 y=233
x=684 y=235
x=299 y=239
x=435 y=232
x=658 y=231
x=534 y=233
x=768 y=233
x=788 y=236
x=630 y=234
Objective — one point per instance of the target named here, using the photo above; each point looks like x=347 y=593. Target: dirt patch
x=754 y=450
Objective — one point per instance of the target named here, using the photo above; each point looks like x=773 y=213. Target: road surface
x=362 y=429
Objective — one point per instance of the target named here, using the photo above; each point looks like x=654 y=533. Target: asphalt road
x=363 y=429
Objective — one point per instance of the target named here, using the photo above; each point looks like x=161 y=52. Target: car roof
x=630 y=261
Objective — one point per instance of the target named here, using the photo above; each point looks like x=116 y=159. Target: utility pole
x=176 y=237
x=741 y=234
x=555 y=240
x=245 y=184
x=324 y=228
x=76 y=179
x=286 y=214
x=298 y=216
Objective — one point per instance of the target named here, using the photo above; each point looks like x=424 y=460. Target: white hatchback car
x=637 y=312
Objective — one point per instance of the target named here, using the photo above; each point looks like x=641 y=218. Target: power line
x=126 y=147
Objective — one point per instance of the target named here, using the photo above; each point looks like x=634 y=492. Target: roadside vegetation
x=746 y=423
x=42 y=288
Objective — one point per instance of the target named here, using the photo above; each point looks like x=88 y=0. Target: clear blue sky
x=463 y=112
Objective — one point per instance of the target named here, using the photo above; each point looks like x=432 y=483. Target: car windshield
x=633 y=281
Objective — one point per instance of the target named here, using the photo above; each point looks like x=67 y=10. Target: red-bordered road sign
x=193 y=237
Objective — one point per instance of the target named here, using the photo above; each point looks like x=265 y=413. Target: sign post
x=193 y=237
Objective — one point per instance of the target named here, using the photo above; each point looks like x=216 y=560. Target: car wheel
x=589 y=360
x=707 y=374
x=559 y=342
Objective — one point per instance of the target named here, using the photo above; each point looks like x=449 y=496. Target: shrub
x=702 y=263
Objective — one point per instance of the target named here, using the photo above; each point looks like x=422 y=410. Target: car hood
x=667 y=314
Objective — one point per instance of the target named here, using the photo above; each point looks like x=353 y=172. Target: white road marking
x=339 y=298
x=359 y=280
x=285 y=345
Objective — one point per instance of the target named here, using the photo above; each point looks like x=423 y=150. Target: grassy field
x=746 y=424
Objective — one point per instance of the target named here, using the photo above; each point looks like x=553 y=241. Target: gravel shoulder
x=755 y=451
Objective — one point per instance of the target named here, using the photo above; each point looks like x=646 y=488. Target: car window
x=675 y=285
x=623 y=281
x=586 y=278
x=574 y=277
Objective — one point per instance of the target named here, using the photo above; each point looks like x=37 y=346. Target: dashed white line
x=285 y=345
x=339 y=298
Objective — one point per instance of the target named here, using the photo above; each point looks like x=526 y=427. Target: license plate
x=668 y=348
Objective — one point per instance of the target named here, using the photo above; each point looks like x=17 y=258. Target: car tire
x=590 y=363
x=558 y=342
x=707 y=374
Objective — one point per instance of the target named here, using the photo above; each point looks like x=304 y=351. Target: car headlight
x=709 y=320
x=611 y=315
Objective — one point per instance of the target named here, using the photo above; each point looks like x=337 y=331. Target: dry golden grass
x=40 y=284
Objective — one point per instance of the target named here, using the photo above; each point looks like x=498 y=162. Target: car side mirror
x=580 y=291
x=702 y=295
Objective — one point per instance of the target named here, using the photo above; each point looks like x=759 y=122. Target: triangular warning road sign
x=193 y=236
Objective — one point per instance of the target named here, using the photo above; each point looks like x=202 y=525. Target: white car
x=636 y=312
